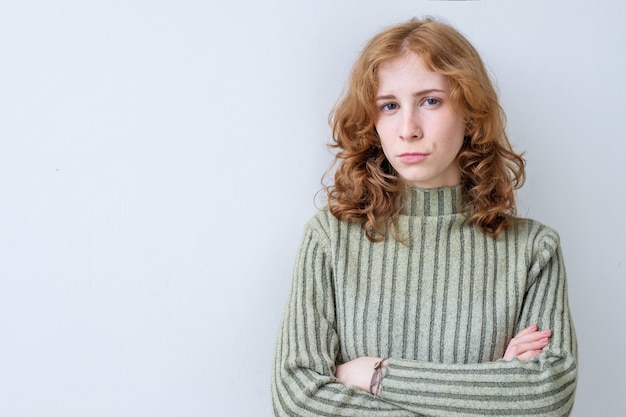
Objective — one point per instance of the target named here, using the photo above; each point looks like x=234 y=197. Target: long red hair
x=367 y=189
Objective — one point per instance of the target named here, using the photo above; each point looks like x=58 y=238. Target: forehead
x=409 y=71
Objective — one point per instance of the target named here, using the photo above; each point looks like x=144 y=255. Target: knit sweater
x=442 y=306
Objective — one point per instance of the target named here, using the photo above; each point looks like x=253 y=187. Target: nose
x=411 y=127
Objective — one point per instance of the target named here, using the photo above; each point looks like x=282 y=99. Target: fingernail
x=544 y=340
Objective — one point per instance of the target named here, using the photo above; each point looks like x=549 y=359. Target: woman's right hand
x=528 y=343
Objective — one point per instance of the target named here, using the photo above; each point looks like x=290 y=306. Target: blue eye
x=389 y=106
x=432 y=101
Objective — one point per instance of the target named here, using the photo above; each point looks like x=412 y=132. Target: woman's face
x=420 y=131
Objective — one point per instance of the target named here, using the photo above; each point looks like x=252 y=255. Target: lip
x=412 y=157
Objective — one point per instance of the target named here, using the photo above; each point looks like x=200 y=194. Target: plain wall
x=158 y=161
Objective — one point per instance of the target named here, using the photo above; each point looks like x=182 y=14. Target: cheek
x=382 y=132
x=381 y=129
x=457 y=149
x=386 y=148
x=454 y=147
x=456 y=135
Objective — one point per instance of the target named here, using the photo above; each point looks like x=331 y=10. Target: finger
x=529 y=329
x=516 y=350
x=530 y=344
x=529 y=355
x=531 y=337
x=526 y=347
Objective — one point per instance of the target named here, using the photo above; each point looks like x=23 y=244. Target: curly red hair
x=367 y=189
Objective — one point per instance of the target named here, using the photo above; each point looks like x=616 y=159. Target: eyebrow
x=419 y=93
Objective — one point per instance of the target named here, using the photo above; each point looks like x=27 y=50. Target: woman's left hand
x=527 y=344
x=357 y=372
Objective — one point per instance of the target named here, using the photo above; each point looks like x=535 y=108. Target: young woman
x=416 y=291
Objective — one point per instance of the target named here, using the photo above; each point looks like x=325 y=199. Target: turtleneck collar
x=432 y=201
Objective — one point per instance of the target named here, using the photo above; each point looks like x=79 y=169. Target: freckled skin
x=420 y=131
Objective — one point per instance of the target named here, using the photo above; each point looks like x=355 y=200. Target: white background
x=158 y=160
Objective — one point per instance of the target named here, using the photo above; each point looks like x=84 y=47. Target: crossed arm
x=526 y=344
x=535 y=377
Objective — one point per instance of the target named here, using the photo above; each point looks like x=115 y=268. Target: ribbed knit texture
x=441 y=307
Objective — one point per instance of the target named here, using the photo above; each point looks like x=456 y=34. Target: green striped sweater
x=442 y=307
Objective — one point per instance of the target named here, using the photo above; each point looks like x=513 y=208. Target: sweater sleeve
x=542 y=386
x=303 y=382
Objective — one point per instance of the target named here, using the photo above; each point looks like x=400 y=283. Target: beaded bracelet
x=377 y=378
